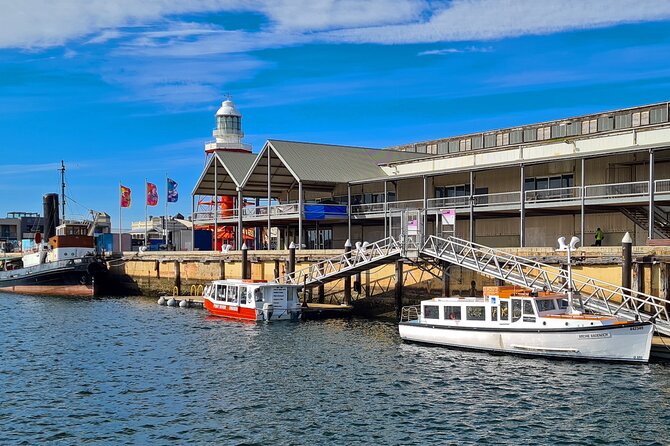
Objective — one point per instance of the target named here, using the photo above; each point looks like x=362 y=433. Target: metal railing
x=335 y=266
x=410 y=313
x=617 y=190
x=449 y=202
x=276 y=210
x=595 y=294
x=661 y=186
x=552 y=195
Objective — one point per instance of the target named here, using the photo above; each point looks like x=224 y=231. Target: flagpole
x=167 y=187
x=120 y=216
x=146 y=212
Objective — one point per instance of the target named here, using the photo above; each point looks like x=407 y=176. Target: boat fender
x=172 y=302
x=161 y=300
x=183 y=304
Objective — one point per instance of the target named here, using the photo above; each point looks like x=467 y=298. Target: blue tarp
x=323 y=211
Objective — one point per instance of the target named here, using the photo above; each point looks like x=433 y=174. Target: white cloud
x=445 y=51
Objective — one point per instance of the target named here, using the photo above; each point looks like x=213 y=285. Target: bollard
x=357 y=283
x=398 y=287
x=245 y=262
x=276 y=271
x=445 y=279
x=626 y=260
x=291 y=259
x=222 y=270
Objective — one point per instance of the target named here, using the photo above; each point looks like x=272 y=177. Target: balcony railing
x=638 y=189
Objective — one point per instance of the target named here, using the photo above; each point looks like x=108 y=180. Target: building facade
x=522 y=186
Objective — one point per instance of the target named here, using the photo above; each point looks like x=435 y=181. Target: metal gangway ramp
x=359 y=259
x=595 y=295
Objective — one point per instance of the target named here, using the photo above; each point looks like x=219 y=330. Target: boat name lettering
x=595 y=335
x=639 y=327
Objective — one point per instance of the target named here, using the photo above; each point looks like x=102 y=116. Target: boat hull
x=75 y=277
x=230 y=311
x=624 y=342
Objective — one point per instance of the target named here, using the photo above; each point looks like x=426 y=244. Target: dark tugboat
x=63 y=262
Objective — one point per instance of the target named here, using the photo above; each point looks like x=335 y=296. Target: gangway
x=360 y=259
x=595 y=294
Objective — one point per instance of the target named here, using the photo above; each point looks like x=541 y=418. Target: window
x=452 y=312
x=516 y=309
x=475 y=313
x=220 y=292
x=528 y=308
x=243 y=295
x=545 y=305
x=431 y=148
x=231 y=295
x=504 y=310
x=431 y=312
x=461 y=190
x=494 y=314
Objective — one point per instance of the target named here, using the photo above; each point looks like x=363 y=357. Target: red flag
x=152 y=194
x=125 y=197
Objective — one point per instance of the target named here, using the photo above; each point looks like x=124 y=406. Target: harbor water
x=127 y=371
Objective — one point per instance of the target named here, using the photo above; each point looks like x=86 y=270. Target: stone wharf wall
x=158 y=273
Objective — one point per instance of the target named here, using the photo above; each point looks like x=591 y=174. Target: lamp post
x=568 y=248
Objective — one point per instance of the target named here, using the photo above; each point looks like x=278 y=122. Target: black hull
x=75 y=277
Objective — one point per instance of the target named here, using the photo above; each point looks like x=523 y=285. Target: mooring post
x=222 y=270
x=177 y=276
x=626 y=260
x=357 y=283
x=638 y=277
x=245 y=262
x=347 y=278
x=276 y=271
x=445 y=279
x=291 y=259
x=664 y=291
x=398 y=287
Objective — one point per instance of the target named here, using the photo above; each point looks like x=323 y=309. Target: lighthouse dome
x=228 y=109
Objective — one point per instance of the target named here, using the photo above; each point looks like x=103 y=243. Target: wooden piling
x=398 y=287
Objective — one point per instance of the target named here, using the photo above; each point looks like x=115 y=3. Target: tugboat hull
x=76 y=277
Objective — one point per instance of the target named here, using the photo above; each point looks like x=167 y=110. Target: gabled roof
x=319 y=164
x=231 y=169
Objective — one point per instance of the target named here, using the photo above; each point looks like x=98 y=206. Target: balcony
x=312 y=211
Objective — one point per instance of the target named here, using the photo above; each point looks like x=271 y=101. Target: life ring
x=175 y=291
x=199 y=291
x=192 y=290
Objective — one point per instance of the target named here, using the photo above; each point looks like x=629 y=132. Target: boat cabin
x=247 y=299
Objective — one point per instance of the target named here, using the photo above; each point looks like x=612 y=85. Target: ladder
x=596 y=295
x=359 y=259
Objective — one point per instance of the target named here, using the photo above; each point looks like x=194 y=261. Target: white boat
x=252 y=300
x=538 y=324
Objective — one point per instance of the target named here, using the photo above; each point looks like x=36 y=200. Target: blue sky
x=126 y=90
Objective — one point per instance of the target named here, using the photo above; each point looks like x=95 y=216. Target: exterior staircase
x=640 y=216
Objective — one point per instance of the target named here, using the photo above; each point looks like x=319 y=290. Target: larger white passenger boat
x=541 y=324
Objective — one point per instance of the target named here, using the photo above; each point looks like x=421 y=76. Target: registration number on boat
x=595 y=335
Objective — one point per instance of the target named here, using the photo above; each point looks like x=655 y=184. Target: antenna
x=62 y=188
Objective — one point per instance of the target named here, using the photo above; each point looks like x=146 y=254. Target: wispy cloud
x=25 y=169
x=447 y=51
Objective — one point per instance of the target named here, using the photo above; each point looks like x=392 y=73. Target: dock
x=660 y=349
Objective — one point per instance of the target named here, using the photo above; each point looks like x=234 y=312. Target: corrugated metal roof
x=237 y=164
x=324 y=163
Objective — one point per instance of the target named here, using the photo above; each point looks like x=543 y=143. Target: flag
x=172 y=194
x=152 y=194
x=125 y=197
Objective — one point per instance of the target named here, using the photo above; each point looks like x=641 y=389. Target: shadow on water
x=127 y=371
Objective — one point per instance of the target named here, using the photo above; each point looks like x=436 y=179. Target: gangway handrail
x=318 y=272
x=596 y=294
x=410 y=313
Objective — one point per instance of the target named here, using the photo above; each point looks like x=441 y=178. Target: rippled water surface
x=127 y=371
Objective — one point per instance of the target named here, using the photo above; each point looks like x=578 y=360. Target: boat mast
x=62 y=189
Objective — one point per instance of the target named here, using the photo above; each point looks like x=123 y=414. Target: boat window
x=220 y=292
x=545 y=305
x=452 y=312
x=516 y=309
x=258 y=295
x=504 y=310
x=243 y=295
x=528 y=308
x=231 y=295
x=431 y=312
x=475 y=313
x=563 y=304
x=494 y=313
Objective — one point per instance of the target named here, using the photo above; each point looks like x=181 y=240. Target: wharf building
x=514 y=187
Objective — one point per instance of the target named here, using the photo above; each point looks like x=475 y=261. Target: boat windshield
x=545 y=305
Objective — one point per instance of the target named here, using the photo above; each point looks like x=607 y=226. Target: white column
x=269 y=194
x=522 y=208
x=349 y=211
x=651 y=194
x=300 y=213
x=216 y=203
x=472 y=206
x=240 y=226
x=582 y=194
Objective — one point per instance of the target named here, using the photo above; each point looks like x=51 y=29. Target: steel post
x=651 y=195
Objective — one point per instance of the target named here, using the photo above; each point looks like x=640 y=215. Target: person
x=599 y=237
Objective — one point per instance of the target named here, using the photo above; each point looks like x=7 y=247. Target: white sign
x=413 y=227
x=448 y=216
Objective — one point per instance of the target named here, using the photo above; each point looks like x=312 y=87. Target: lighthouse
x=228 y=133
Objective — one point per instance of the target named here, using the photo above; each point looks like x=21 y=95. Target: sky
x=126 y=90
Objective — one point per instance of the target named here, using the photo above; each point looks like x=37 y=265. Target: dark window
x=475 y=313
x=431 y=312
x=545 y=305
x=453 y=313
x=494 y=313
x=528 y=308
x=516 y=309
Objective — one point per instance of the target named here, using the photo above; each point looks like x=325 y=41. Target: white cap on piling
x=627 y=238
x=291 y=246
x=244 y=246
x=347 y=244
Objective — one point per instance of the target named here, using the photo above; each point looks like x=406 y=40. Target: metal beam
x=472 y=206
x=349 y=211
x=240 y=225
x=651 y=194
x=522 y=208
x=300 y=213
x=582 y=205
x=269 y=193
x=216 y=205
